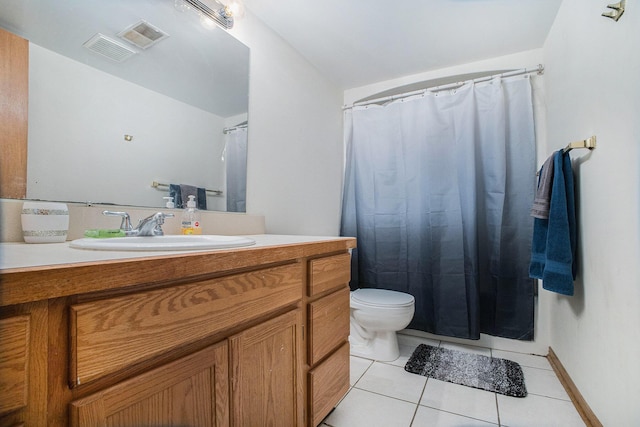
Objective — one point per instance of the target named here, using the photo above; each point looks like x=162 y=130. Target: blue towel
x=174 y=191
x=201 y=198
x=540 y=208
x=553 y=248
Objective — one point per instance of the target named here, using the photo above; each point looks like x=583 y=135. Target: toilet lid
x=382 y=297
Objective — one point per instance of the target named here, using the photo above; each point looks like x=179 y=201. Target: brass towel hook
x=617 y=10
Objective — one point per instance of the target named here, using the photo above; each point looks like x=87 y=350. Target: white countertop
x=24 y=255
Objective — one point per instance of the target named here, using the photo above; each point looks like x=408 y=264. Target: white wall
x=295 y=137
x=78 y=117
x=592 y=78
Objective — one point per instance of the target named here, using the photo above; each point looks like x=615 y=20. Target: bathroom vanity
x=239 y=337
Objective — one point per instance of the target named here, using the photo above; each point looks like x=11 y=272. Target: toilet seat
x=381 y=298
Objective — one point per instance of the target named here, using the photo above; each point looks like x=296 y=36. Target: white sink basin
x=162 y=243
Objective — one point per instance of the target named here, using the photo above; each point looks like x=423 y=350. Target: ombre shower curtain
x=438 y=191
x=236 y=169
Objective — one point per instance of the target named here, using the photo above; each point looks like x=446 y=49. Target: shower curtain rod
x=538 y=70
x=243 y=125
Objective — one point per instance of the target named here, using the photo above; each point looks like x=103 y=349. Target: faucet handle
x=160 y=216
x=125 y=224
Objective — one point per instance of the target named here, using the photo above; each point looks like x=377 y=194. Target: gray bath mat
x=473 y=370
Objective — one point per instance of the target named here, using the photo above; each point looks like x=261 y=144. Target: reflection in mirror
x=103 y=129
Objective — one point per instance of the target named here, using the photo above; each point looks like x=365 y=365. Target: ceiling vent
x=109 y=48
x=143 y=34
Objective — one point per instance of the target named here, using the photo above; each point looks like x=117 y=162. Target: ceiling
x=359 y=42
x=351 y=42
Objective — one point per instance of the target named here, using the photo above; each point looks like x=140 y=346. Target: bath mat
x=473 y=370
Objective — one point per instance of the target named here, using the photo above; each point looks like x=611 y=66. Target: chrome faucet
x=149 y=226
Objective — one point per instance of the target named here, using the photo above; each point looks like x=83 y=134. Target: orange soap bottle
x=191 y=218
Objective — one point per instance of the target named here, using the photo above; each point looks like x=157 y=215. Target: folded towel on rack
x=174 y=191
x=186 y=191
x=553 y=248
x=542 y=201
x=181 y=193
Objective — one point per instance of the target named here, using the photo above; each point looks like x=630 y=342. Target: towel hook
x=618 y=10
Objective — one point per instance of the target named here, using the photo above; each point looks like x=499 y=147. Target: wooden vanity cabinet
x=245 y=338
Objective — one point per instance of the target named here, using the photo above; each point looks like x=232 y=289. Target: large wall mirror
x=108 y=119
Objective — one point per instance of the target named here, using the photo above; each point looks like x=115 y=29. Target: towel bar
x=156 y=184
x=589 y=143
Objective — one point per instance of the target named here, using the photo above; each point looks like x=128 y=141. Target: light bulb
x=235 y=7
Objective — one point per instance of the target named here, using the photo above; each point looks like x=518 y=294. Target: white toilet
x=376 y=316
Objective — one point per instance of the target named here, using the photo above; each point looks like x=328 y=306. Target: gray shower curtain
x=236 y=169
x=438 y=190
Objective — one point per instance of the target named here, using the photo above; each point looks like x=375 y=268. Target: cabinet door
x=266 y=373
x=192 y=391
x=23 y=365
x=14 y=336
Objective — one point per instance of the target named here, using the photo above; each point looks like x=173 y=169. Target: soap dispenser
x=169 y=204
x=191 y=218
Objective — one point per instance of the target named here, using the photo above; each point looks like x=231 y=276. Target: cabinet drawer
x=329 y=272
x=328 y=383
x=328 y=324
x=111 y=334
x=14 y=352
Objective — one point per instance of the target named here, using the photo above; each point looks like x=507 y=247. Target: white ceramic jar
x=45 y=222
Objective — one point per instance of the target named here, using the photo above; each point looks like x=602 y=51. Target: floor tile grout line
x=415 y=412
x=547 y=397
x=495 y=398
x=386 y=395
x=495 y=395
x=460 y=415
x=365 y=371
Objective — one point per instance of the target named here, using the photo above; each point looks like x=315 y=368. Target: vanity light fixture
x=220 y=12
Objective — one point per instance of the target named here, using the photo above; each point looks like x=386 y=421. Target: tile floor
x=385 y=395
